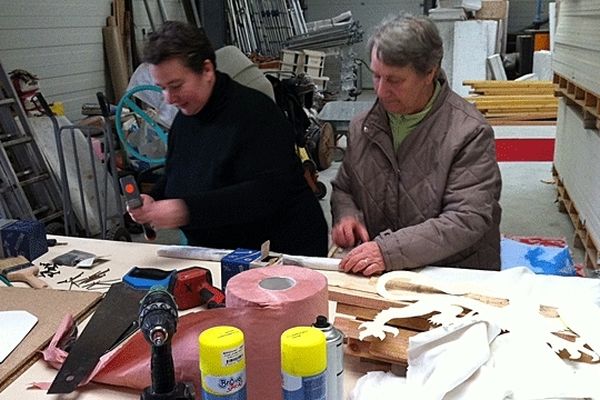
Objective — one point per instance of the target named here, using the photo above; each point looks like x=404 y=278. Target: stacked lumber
x=513 y=102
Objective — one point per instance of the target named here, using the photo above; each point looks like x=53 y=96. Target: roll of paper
x=301 y=293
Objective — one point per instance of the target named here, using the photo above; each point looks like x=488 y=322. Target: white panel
x=578 y=38
x=542 y=65
x=446 y=29
x=36 y=38
x=471 y=52
x=578 y=164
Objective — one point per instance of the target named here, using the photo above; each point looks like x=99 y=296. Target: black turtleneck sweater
x=234 y=164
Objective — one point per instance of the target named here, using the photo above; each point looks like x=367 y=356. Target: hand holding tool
x=158 y=323
x=134 y=200
x=193 y=287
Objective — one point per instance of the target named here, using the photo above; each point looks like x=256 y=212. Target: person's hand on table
x=162 y=214
x=349 y=232
x=365 y=259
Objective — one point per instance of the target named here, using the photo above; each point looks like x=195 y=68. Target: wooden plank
x=393 y=349
x=524 y=100
x=506 y=84
x=521 y=115
x=514 y=96
x=374 y=301
x=513 y=91
x=362 y=299
x=420 y=323
x=503 y=122
x=520 y=109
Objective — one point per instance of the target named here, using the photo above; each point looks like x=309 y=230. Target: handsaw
x=116 y=316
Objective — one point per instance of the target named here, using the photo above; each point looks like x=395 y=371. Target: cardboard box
x=23 y=238
x=241 y=260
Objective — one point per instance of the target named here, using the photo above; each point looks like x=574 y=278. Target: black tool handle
x=44 y=104
x=134 y=200
x=104 y=104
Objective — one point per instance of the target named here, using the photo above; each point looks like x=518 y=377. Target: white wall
x=61 y=43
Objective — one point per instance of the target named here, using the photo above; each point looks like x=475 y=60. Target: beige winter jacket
x=433 y=202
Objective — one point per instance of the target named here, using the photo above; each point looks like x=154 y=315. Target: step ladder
x=28 y=190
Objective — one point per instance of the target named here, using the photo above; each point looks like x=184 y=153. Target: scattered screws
x=50 y=269
x=88 y=282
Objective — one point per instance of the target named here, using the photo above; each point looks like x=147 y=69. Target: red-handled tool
x=193 y=287
x=134 y=200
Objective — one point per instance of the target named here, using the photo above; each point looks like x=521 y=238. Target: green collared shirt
x=403 y=124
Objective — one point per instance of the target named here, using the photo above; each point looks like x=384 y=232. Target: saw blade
x=114 y=316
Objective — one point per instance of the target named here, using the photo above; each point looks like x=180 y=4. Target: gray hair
x=405 y=40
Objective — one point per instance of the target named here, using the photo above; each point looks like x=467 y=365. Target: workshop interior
x=98 y=301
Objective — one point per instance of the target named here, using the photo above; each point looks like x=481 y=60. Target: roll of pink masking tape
x=287 y=296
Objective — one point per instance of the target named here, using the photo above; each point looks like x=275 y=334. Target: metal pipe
x=149 y=13
x=163 y=11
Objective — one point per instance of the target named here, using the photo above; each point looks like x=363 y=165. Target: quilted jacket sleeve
x=342 y=203
x=468 y=205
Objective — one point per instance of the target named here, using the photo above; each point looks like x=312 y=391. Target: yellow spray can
x=222 y=363
x=304 y=364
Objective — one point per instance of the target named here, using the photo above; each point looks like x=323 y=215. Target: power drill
x=134 y=200
x=193 y=287
x=158 y=323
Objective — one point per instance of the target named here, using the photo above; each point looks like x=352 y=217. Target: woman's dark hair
x=177 y=39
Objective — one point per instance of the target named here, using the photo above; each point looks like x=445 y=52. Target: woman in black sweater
x=232 y=177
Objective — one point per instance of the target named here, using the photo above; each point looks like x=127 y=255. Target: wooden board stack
x=514 y=102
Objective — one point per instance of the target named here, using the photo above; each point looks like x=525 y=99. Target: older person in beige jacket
x=419 y=184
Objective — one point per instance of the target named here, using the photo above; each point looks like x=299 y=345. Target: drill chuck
x=158 y=317
x=158 y=323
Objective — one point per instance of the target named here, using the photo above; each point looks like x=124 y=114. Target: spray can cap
x=321 y=322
